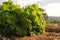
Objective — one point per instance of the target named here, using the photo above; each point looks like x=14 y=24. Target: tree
x=45 y=16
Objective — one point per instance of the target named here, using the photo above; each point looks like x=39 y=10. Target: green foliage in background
x=16 y=21
x=53 y=21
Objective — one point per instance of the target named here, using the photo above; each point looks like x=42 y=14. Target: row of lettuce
x=16 y=21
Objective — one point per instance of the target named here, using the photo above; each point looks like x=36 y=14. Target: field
x=27 y=21
x=52 y=33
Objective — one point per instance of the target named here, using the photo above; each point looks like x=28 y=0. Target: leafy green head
x=16 y=21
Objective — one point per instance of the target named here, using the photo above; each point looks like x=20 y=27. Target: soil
x=47 y=36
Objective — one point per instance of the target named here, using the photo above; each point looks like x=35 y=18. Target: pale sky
x=52 y=7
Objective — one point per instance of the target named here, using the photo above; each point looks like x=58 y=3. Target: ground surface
x=47 y=36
